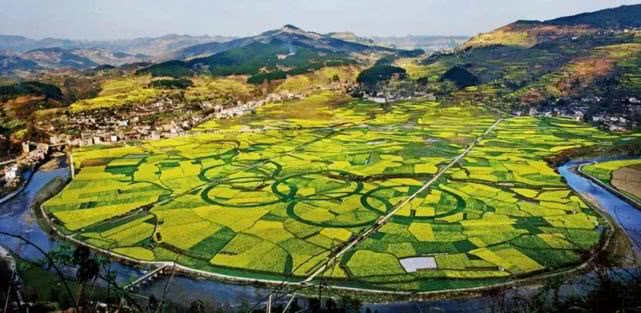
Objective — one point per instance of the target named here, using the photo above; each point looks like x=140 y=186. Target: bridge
x=149 y=276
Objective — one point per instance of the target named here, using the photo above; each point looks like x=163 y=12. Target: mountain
x=59 y=58
x=589 y=60
x=157 y=46
x=625 y=16
x=351 y=37
x=17 y=43
x=288 y=33
x=11 y=63
x=271 y=55
x=105 y=56
x=426 y=43
x=152 y=46
x=531 y=33
x=53 y=58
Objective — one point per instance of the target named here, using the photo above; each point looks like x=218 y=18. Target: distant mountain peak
x=290 y=28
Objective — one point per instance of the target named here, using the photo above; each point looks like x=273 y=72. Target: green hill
x=271 y=55
x=532 y=63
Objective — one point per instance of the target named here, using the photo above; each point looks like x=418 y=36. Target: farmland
x=622 y=175
x=298 y=180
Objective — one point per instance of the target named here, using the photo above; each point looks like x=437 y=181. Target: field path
x=383 y=220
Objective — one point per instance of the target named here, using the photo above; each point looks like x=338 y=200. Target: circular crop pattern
x=437 y=204
x=234 y=170
x=327 y=199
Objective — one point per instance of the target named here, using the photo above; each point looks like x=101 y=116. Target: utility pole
x=6 y=304
x=269 y=304
x=73 y=174
x=289 y=303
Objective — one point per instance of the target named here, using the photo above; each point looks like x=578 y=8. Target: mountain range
x=274 y=54
x=151 y=46
x=288 y=33
x=19 y=53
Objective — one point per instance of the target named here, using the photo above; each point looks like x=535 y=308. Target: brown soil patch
x=581 y=73
x=628 y=179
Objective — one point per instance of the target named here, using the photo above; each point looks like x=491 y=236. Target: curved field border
x=604 y=246
x=609 y=188
x=302 y=283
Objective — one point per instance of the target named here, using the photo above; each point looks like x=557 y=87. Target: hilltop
x=335 y=42
x=625 y=16
x=274 y=54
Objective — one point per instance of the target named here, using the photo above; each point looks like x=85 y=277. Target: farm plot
x=277 y=193
x=622 y=175
x=501 y=213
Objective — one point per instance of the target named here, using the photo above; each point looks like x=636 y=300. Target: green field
x=272 y=194
x=622 y=175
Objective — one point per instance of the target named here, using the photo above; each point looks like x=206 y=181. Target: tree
x=380 y=74
x=460 y=77
x=350 y=305
x=88 y=270
x=197 y=307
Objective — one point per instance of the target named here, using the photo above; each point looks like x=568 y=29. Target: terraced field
x=622 y=175
x=276 y=194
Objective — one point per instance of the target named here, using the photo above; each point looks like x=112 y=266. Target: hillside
x=57 y=58
x=12 y=63
x=335 y=42
x=271 y=55
x=565 y=63
x=530 y=33
x=625 y=16
x=427 y=43
x=105 y=56
x=152 y=46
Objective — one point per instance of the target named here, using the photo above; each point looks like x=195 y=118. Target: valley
x=304 y=187
x=499 y=169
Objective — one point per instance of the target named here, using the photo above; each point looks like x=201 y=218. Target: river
x=16 y=217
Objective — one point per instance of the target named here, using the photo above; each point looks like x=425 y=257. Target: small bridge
x=8 y=162
x=149 y=276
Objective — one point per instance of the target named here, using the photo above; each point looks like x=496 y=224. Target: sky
x=123 y=19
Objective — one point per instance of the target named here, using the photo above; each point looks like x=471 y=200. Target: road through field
x=382 y=221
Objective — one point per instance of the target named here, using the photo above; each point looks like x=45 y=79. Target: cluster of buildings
x=383 y=98
x=165 y=118
x=33 y=155
x=621 y=120
x=241 y=108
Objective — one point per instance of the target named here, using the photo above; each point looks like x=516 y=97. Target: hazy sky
x=110 y=19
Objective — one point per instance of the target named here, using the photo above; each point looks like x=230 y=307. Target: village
x=164 y=118
x=626 y=119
